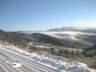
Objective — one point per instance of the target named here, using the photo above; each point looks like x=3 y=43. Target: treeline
x=90 y=51
x=91 y=48
x=67 y=53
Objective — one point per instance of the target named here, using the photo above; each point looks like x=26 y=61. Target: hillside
x=88 y=38
x=12 y=38
x=42 y=38
x=75 y=38
x=48 y=38
x=22 y=40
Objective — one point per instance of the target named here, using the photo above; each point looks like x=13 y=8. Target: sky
x=34 y=15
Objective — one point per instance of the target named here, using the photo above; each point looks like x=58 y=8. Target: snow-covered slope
x=61 y=66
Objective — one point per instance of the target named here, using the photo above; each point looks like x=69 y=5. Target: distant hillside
x=47 y=39
x=88 y=38
x=65 y=29
x=21 y=39
x=91 y=50
x=12 y=38
x=41 y=38
x=90 y=30
x=78 y=29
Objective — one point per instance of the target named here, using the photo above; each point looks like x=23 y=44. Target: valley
x=72 y=45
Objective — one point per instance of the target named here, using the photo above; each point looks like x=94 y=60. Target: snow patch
x=15 y=65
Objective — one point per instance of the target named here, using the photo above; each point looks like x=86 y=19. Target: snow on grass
x=55 y=64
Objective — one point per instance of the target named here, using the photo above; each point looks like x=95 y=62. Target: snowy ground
x=1 y=70
x=55 y=64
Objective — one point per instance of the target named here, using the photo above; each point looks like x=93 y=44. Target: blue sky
x=35 y=15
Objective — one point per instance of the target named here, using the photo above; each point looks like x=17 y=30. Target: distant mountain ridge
x=81 y=29
x=65 y=29
x=62 y=29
